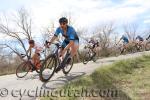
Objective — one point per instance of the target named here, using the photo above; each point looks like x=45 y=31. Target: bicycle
x=52 y=62
x=90 y=55
x=127 y=48
x=26 y=66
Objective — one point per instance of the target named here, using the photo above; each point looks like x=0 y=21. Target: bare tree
x=48 y=32
x=103 y=33
x=131 y=31
x=19 y=33
x=146 y=33
x=82 y=33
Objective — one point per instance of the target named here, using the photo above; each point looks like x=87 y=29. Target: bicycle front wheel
x=48 y=68
x=86 y=58
x=23 y=69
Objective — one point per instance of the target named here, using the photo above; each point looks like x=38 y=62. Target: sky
x=85 y=13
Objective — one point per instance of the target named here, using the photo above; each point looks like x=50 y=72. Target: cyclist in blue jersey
x=139 y=39
x=71 y=38
x=125 y=39
x=139 y=42
x=125 y=42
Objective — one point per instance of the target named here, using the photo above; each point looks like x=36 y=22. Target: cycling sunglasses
x=63 y=23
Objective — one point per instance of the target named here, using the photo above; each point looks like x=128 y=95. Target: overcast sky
x=86 y=13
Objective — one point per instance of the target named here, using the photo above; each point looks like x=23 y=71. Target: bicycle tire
x=21 y=66
x=53 y=58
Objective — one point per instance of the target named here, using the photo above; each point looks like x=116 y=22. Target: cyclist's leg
x=60 y=52
x=126 y=44
x=124 y=47
x=64 y=44
x=141 y=42
x=94 y=49
x=74 y=48
x=36 y=60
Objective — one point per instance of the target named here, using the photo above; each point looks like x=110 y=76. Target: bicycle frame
x=57 y=53
x=28 y=60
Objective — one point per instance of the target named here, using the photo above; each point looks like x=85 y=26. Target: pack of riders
x=71 y=40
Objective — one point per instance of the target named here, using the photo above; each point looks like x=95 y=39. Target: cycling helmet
x=31 y=41
x=138 y=36
x=63 y=20
x=123 y=35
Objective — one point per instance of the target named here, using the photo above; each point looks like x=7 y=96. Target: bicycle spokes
x=48 y=68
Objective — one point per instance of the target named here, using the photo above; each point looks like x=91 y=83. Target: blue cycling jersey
x=125 y=39
x=70 y=34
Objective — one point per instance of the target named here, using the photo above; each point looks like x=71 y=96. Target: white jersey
x=38 y=48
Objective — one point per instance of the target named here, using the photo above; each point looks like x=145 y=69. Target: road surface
x=31 y=88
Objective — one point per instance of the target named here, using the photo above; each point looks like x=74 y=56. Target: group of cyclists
x=71 y=41
x=139 y=39
x=138 y=42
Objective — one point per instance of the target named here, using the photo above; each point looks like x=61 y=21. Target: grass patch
x=123 y=80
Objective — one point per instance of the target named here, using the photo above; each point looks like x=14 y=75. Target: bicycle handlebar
x=47 y=42
x=23 y=55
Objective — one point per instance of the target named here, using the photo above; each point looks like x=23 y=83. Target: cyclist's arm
x=53 y=38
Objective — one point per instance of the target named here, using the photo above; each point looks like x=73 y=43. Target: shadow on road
x=30 y=76
x=62 y=80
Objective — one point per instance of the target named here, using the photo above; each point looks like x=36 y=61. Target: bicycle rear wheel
x=68 y=67
x=48 y=68
x=23 y=69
